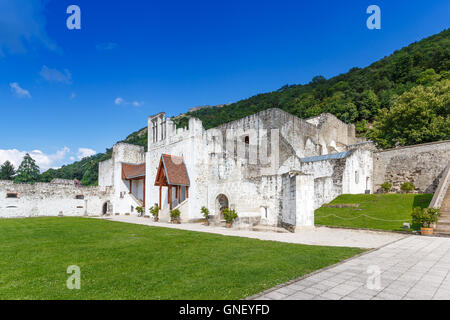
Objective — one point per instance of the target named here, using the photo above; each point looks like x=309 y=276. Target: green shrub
x=140 y=210
x=424 y=217
x=407 y=187
x=229 y=215
x=175 y=214
x=386 y=186
x=154 y=210
x=205 y=212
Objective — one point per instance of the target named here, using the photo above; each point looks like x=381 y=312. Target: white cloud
x=54 y=75
x=18 y=91
x=22 y=26
x=120 y=101
x=85 y=152
x=44 y=161
x=73 y=95
x=106 y=46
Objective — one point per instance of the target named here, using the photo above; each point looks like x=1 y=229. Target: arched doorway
x=221 y=203
x=106 y=208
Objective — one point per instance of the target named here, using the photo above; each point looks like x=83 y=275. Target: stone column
x=304 y=200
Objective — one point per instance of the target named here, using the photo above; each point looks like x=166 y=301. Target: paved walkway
x=412 y=268
x=313 y=236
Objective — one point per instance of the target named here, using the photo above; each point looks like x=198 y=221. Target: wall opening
x=79 y=197
x=105 y=208
x=12 y=195
x=221 y=203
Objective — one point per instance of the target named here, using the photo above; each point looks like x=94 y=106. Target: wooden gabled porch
x=172 y=174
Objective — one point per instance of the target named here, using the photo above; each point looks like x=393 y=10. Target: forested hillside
x=402 y=99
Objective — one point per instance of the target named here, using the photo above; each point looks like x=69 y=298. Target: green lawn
x=126 y=261
x=373 y=211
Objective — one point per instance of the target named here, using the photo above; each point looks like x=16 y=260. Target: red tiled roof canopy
x=133 y=171
x=174 y=170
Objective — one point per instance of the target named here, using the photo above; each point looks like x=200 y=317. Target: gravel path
x=314 y=236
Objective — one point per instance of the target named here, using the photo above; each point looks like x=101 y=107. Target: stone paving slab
x=413 y=268
x=313 y=236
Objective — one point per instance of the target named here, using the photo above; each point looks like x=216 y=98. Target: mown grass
x=126 y=261
x=374 y=212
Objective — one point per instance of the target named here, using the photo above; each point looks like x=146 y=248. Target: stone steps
x=443 y=225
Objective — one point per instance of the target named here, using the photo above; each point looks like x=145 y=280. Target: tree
x=28 y=171
x=7 y=171
x=428 y=77
x=90 y=177
x=418 y=116
x=369 y=104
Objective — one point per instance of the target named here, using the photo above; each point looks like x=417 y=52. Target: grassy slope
x=125 y=261
x=378 y=206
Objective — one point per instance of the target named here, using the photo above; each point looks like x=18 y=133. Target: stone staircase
x=443 y=225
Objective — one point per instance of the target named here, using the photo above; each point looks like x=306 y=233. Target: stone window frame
x=12 y=195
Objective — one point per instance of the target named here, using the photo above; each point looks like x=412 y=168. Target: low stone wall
x=422 y=165
x=46 y=199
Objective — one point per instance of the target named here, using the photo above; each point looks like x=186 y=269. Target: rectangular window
x=79 y=197
x=356 y=177
x=11 y=195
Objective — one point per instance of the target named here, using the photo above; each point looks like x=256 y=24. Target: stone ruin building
x=273 y=168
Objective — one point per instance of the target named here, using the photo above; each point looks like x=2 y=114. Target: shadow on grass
x=422 y=200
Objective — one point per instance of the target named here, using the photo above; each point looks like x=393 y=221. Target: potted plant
x=155 y=212
x=386 y=187
x=175 y=216
x=229 y=215
x=407 y=187
x=140 y=211
x=425 y=218
x=205 y=213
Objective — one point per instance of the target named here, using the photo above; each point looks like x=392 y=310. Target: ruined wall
x=46 y=199
x=106 y=173
x=422 y=165
x=218 y=165
x=189 y=143
x=297 y=201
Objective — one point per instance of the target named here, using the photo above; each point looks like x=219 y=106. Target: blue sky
x=65 y=94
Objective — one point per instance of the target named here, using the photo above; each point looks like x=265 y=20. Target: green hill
x=413 y=78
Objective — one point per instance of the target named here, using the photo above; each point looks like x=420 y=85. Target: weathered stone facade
x=246 y=162
x=422 y=165
x=272 y=167
x=47 y=199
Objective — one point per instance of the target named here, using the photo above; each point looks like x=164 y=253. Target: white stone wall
x=358 y=173
x=297 y=200
x=45 y=199
x=217 y=165
x=110 y=176
x=106 y=173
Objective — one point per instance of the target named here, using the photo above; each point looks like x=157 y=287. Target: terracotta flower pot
x=228 y=225
x=175 y=221
x=156 y=219
x=207 y=223
x=426 y=231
